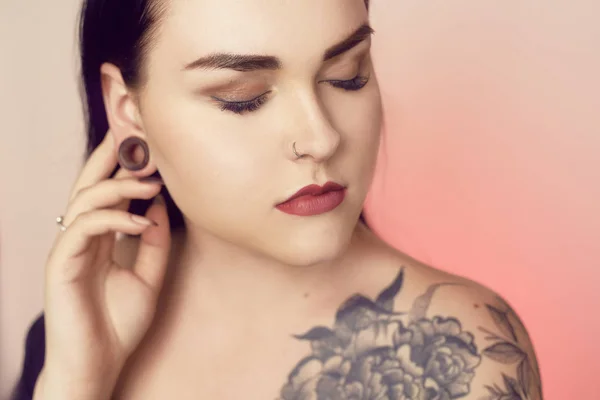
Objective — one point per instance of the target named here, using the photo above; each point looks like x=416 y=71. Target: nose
x=315 y=137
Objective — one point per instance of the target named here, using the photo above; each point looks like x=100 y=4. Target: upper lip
x=315 y=190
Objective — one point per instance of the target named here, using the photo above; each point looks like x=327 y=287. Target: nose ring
x=295 y=152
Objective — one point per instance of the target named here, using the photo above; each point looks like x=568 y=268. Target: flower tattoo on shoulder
x=370 y=354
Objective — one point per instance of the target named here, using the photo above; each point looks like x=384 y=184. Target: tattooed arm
x=503 y=362
x=456 y=340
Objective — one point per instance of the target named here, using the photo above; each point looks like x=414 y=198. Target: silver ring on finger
x=59 y=222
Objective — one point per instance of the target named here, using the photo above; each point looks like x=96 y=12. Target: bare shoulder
x=435 y=335
x=405 y=330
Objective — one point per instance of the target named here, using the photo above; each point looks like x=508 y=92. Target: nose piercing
x=295 y=152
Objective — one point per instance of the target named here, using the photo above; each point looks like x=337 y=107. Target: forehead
x=289 y=29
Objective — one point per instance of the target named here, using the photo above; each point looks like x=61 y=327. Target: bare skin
x=254 y=354
x=247 y=302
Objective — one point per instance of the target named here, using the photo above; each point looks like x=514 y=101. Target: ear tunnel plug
x=127 y=151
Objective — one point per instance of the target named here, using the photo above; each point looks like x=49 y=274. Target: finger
x=154 y=248
x=99 y=165
x=123 y=173
x=110 y=193
x=80 y=235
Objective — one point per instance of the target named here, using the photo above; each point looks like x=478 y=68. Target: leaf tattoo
x=505 y=353
x=502 y=322
x=508 y=350
x=386 y=297
x=524 y=375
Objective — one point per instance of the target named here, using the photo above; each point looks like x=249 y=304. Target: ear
x=123 y=114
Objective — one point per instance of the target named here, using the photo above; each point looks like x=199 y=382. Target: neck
x=219 y=278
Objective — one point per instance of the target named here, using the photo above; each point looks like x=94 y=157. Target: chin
x=310 y=248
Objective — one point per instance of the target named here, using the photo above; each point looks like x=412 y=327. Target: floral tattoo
x=370 y=354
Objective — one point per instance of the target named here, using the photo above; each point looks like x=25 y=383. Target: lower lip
x=313 y=205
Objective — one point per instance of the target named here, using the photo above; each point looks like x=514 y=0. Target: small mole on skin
x=476 y=305
x=306 y=295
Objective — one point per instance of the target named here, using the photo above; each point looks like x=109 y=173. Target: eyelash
x=240 y=107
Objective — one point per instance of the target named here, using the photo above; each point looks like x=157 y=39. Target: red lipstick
x=314 y=200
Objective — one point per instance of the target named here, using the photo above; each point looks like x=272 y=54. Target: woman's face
x=228 y=165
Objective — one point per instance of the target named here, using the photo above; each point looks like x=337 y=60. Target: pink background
x=491 y=168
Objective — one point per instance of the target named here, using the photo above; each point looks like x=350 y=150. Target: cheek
x=358 y=118
x=208 y=163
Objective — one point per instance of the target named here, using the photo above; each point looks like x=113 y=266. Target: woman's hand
x=97 y=311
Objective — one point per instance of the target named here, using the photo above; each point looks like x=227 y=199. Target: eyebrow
x=251 y=62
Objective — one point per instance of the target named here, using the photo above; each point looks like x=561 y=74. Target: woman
x=253 y=275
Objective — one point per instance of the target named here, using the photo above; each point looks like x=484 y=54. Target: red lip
x=315 y=190
x=314 y=200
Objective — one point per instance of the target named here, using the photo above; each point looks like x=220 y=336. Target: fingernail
x=152 y=179
x=143 y=220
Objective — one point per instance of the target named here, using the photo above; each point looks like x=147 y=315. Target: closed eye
x=241 y=107
x=356 y=83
